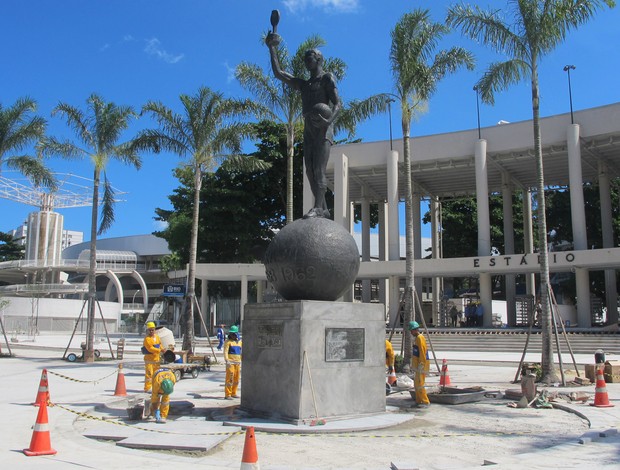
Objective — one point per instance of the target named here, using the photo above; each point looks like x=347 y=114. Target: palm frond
x=77 y=121
x=499 y=76
x=107 y=207
x=487 y=27
x=359 y=110
x=52 y=147
x=262 y=86
x=33 y=169
x=245 y=163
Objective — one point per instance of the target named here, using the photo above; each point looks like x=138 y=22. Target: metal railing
x=25 y=289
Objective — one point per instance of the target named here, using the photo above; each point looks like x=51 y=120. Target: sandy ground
x=440 y=437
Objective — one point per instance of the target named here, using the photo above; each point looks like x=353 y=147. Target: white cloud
x=330 y=5
x=153 y=47
x=230 y=73
x=105 y=47
x=160 y=225
x=128 y=38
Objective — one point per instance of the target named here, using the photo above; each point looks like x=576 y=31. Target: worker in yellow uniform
x=419 y=364
x=232 y=358
x=389 y=363
x=151 y=348
x=163 y=386
x=389 y=356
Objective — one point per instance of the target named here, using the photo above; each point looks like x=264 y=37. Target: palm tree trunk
x=409 y=273
x=290 y=152
x=548 y=367
x=89 y=353
x=188 y=338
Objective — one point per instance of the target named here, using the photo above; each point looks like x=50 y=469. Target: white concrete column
x=417 y=243
x=436 y=254
x=260 y=291
x=578 y=219
x=484 y=227
x=383 y=250
x=575 y=178
x=365 y=246
x=611 y=291
x=204 y=306
x=528 y=238
x=341 y=190
x=509 y=247
x=244 y=295
x=393 y=231
x=393 y=226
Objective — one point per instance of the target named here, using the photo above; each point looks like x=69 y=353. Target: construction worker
x=163 y=386
x=151 y=348
x=389 y=356
x=420 y=364
x=232 y=358
x=220 y=337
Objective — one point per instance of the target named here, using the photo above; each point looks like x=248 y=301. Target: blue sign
x=174 y=290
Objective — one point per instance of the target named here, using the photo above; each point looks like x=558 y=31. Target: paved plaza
x=89 y=426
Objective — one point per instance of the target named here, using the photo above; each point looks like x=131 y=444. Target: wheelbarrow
x=72 y=357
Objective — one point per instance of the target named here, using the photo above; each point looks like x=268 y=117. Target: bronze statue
x=320 y=106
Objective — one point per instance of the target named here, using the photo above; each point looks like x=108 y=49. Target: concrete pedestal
x=304 y=360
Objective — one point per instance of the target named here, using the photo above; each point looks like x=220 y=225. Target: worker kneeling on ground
x=163 y=386
x=420 y=364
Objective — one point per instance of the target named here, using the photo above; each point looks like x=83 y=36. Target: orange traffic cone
x=43 y=395
x=249 y=461
x=601 y=399
x=121 y=390
x=40 y=444
x=444 y=379
x=391 y=378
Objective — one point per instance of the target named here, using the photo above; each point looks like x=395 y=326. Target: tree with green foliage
x=10 y=249
x=19 y=129
x=208 y=132
x=536 y=28
x=418 y=68
x=240 y=210
x=98 y=129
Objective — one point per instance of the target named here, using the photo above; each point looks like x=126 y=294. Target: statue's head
x=314 y=53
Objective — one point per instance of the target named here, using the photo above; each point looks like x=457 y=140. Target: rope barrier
x=120 y=423
x=71 y=379
x=115 y=421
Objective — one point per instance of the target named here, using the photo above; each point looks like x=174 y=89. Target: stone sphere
x=312 y=259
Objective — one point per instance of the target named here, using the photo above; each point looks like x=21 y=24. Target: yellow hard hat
x=150 y=324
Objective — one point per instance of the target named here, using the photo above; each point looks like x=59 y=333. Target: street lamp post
x=133 y=305
x=567 y=69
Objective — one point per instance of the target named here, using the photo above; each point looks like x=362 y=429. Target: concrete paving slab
x=179 y=442
x=366 y=423
x=111 y=433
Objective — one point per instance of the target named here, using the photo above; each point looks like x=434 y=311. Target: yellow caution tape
x=71 y=379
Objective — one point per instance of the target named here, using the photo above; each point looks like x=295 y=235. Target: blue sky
x=131 y=51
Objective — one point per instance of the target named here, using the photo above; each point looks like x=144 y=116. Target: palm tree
x=19 y=129
x=98 y=130
x=417 y=69
x=538 y=27
x=283 y=103
x=207 y=128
